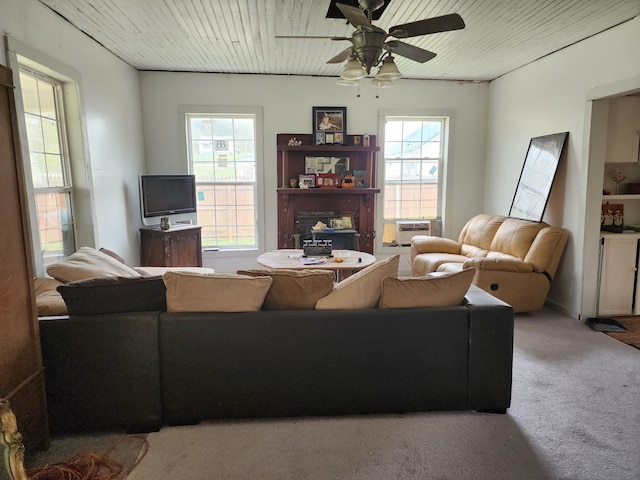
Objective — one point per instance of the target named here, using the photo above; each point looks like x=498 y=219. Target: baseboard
x=561 y=308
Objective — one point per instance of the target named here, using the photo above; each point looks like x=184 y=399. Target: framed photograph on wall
x=536 y=178
x=329 y=120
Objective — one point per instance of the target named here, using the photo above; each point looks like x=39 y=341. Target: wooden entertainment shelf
x=360 y=202
x=180 y=246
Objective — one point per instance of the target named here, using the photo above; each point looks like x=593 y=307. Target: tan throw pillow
x=433 y=290
x=362 y=289
x=193 y=292
x=48 y=299
x=86 y=263
x=294 y=289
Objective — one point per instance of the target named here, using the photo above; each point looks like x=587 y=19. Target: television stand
x=180 y=246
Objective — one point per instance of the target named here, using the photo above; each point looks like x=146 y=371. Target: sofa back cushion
x=477 y=235
x=99 y=296
x=193 y=292
x=514 y=237
x=86 y=263
x=294 y=289
x=433 y=290
x=362 y=289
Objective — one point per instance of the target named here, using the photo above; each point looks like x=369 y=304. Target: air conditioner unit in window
x=407 y=229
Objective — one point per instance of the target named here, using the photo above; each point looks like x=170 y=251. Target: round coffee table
x=352 y=260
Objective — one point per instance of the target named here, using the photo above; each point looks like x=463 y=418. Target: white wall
x=110 y=93
x=287 y=102
x=549 y=96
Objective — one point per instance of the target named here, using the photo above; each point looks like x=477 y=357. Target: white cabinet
x=618 y=269
x=623 y=130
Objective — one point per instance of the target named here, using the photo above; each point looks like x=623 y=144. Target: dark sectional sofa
x=141 y=370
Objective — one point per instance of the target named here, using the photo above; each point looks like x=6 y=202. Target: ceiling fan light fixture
x=388 y=70
x=381 y=83
x=347 y=83
x=353 y=70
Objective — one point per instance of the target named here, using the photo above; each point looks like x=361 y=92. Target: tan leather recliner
x=515 y=260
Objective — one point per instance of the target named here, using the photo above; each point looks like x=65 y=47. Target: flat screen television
x=165 y=195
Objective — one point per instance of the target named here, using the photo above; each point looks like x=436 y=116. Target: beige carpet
x=575 y=415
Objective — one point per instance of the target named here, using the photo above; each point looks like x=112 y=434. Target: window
x=50 y=173
x=57 y=170
x=414 y=155
x=223 y=155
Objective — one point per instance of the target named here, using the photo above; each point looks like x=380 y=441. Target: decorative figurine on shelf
x=618 y=175
x=347 y=179
x=294 y=142
x=319 y=226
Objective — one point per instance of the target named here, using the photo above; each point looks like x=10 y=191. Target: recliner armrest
x=425 y=244
x=499 y=264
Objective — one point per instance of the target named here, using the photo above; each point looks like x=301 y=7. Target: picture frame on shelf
x=306 y=180
x=360 y=178
x=328 y=138
x=319 y=165
x=612 y=217
x=338 y=138
x=328 y=180
x=329 y=120
x=336 y=223
x=357 y=140
x=347 y=221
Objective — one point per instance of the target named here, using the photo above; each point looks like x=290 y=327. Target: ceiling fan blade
x=356 y=16
x=342 y=56
x=444 y=23
x=411 y=52
x=312 y=36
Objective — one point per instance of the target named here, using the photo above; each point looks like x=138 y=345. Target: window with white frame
x=414 y=155
x=49 y=162
x=223 y=155
x=55 y=158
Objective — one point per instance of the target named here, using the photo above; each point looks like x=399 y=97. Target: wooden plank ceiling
x=239 y=36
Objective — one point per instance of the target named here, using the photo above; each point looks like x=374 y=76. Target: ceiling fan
x=370 y=46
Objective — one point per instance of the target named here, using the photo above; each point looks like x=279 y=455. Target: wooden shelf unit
x=359 y=201
x=180 y=246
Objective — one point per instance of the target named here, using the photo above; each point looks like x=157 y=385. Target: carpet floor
x=575 y=415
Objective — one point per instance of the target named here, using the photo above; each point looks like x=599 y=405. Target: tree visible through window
x=413 y=158
x=49 y=165
x=222 y=153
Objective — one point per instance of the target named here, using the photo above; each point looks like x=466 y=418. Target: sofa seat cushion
x=433 y=290
x=86 y=263
x=193 y=292
x=294 y=289
x=430 y=262
x=450 y=268
x=49 y=302
x=362 y=289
